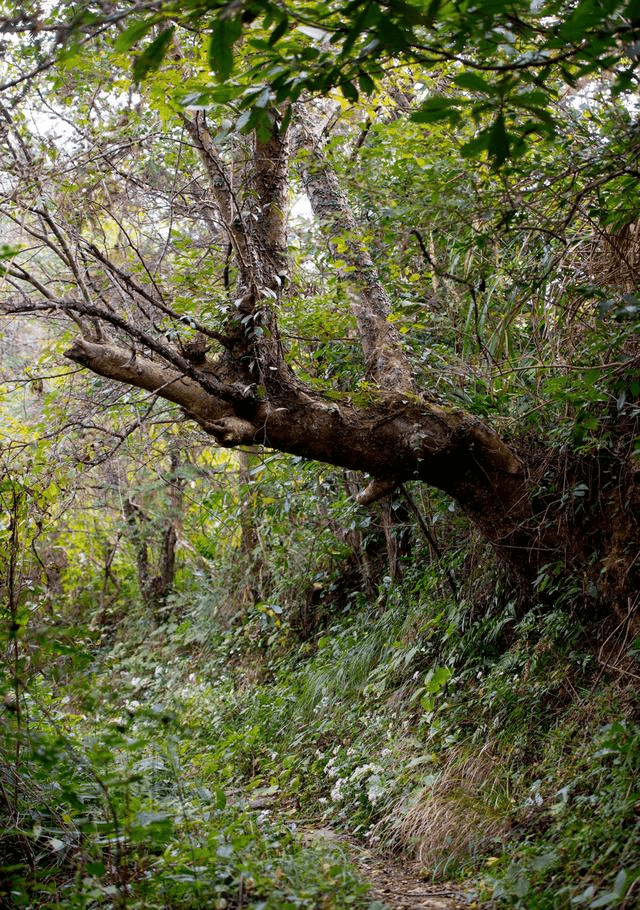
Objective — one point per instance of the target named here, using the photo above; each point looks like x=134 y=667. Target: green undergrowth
x=491 y=747
x=120 y=799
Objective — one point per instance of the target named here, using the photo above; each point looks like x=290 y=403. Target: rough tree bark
x=249 y=395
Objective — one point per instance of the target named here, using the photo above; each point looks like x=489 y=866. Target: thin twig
x=432 y=542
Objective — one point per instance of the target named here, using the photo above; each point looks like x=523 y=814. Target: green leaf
x=97 y=869
x=8 y=250
x=132 y=34
x=145 y=819
x=263 y=98
x=436 y=679
x=224 y=35
x=474 y=83
x=620 y=883
x=434 y=109
x=263 y=123
x=544 y=861
x=279 y=31
x=245 y=121
x=586 y=14
x=393 y=37
x=153 y=826
x=369 y=16
x=545 y=118
x=632 y=12
x=366 y=83
x=474 y=147
x=536 y=98
x=152 y=56
x=349 y=91
x=498 y=143
x=286 y=120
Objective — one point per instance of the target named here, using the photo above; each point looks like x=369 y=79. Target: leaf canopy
x=504 y=55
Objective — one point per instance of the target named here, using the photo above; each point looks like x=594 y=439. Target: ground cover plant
x=184 y=763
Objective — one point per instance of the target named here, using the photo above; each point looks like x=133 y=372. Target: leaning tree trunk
x=247 y=394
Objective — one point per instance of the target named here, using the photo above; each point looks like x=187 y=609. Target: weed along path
x=396 y=886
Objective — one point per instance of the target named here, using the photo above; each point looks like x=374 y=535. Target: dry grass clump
x=615 y=261
x=448 y=822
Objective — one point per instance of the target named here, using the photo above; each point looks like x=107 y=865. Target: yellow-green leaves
x=151 y=57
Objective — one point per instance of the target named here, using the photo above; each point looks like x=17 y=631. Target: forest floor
x=396 y=885
x=402 y=886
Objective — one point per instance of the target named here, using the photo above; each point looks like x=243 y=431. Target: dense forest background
x=320 y=452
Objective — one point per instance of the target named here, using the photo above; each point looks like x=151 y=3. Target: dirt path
x=397 y=886
x=400 y=887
